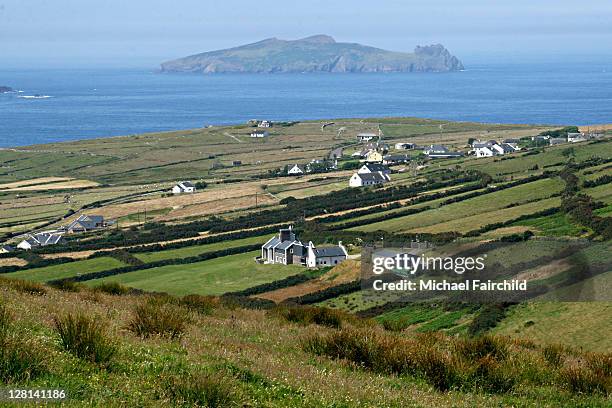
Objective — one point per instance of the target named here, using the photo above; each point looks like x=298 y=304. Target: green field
x=67 y=270
x=198 y=249
x=454 y=217
x=213 y=277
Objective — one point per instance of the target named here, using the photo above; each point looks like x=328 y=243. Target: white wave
x=35 y=96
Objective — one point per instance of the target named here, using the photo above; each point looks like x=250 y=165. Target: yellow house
x=374 y=157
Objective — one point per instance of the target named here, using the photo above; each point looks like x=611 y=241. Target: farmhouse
x=404 y=146
x=368 y=168
x=40 y=239
x=259 y=133
x=86 y=223
x=286 y=249
x=183 y=187
x=396 y=159
x=557 y=141
x=264 y=124
x=5 y=249
x=368 y=179
x=295 y=169
x=366 y=137
x=374 y=157
x=576 y=137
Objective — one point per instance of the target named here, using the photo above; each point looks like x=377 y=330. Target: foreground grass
x=233 y=357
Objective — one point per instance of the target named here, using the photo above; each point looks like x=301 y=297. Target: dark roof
x=438 y=148
x=507 y=148
x=376 y=167
x=397 y=157
x=329 y=251
x=447 y=154
x=7 y=248
x=285 y=245
x=371 y=177
x=45 y=238
x=272 y=242
x=186 y=184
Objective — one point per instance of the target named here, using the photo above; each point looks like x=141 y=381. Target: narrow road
x=233 y=137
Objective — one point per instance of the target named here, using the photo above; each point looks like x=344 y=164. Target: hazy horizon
x=113 y=33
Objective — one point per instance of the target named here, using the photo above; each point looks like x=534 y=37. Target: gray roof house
x=86 y=223
x=6 y=249
x=41 y=239
x=285 y=248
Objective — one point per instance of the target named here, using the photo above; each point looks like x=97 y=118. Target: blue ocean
x=54 y=105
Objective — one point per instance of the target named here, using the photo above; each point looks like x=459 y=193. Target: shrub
x=24 y=286
x=19 y=360
x=309 y=315
x=580 y=380
x=157 y=317
x=66 y=285
x=490 y=376
x=85 y=337
x=553 y=354
x=199 y=303
x=112 y=288
x=481 y=347
x=202 y=390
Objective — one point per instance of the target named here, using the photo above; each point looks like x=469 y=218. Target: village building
x=259 y=133
x=483 y=150
x=492 y=148
x=41 y=239
x=404 y=146
x=5 y=249
x=264 y=124
x=557 y=141
x=396 y=159
x=85 y=223
x=366 y=137
x=236 y=163
x=576 y=137
x=374 y=157
x=435 y=149
x=286 y=249
x=184 y=187
x=296 y=169
x=365 y=180
x=369 y=168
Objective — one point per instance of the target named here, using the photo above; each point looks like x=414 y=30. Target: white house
x=183 y=187
x=576 y=137
x=366 y=137
x=285 y=248
x=404 y=146
x=483 y=150
x=364 y=180
x=325 y=256
x=264 y=124
x=4 y=249
x=368 y=168
x=259 y=133
x=295 y=170
x=40 y=239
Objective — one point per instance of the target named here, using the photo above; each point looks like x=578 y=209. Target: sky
x=147 y=32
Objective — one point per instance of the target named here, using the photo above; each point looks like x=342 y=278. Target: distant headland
x=319 y=53
x=5 y=89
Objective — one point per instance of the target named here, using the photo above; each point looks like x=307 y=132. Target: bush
x=580 y=380
x=85 y=337
x=482 y=346
x=202 y=390
x=309 y=315
x=157 y=317
x=66 y=285
x=112 y=288
x=553 y=354
x=19 y=361
x=199 y=303
x=31 y=288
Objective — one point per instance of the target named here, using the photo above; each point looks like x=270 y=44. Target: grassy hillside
x=196 y=351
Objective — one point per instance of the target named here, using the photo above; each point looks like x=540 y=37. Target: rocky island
x=5 y=89
x=320 y=53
